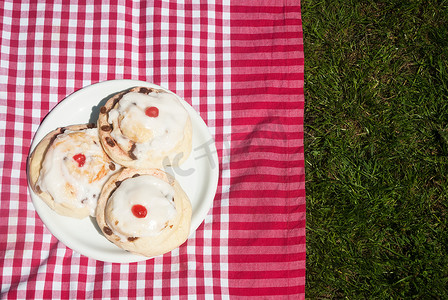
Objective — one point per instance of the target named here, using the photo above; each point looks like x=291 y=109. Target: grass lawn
x=376 y=148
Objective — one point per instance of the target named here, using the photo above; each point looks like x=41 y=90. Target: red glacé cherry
x=80 y=159
x=152 y=112
x=139 y=211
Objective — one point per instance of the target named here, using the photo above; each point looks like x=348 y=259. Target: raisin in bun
x=145 y=128
x=145 y=212
x=68 y=168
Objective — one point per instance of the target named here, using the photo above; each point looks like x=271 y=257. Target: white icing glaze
x=153 y=193
x=63 y=178
x=159 y=134
x=113 y=115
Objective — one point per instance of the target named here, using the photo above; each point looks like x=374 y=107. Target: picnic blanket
x=240 y=65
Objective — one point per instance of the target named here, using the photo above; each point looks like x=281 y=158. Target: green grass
x=376 y=148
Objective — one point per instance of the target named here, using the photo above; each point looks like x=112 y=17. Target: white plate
x=198 y=176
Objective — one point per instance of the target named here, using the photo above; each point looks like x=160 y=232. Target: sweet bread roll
x=68 y=168
x=145 y=128
x=145 y=212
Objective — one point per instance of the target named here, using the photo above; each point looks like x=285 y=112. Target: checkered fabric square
x=240 y=65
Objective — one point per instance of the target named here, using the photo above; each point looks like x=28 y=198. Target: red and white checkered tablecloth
x=240 y=65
